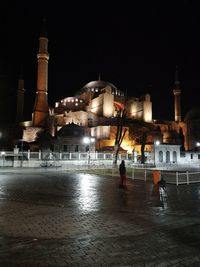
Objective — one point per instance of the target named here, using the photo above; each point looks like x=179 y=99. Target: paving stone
x=75 y=219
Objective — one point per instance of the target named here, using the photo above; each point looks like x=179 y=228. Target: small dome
x=193 y=114
x=72 y=130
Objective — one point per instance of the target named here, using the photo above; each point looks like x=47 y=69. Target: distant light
x=198 y=144
x=157 y=143
x=86 y=140
x=3 y=153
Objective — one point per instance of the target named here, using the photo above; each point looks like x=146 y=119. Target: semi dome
x=193 y=114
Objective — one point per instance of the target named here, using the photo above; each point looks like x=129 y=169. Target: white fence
x=177 y=178
x=180 y=178
x=46 y=159
x=95 y=160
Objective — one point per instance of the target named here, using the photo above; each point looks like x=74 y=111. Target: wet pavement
x=57 y=218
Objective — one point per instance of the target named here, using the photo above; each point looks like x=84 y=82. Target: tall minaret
x=177 y=98
x=20 y=98
x=41 y=109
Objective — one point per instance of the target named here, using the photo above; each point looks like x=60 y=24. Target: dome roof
x=98 y=85
x=193 y=114
x=71 y=130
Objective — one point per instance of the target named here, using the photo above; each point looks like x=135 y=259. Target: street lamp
x=88 y=140
x=156 y=143
x=197 y=146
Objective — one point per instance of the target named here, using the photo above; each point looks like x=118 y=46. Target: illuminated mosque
x=93 y=110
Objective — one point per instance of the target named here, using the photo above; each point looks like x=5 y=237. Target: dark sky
x=135 y=46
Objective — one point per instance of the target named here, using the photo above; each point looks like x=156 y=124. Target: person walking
x=122 y=172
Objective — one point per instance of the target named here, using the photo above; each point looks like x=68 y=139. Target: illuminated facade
x=100 y=99
x=94 y=107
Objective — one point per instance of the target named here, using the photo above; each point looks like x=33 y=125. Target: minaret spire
x=41 y=109
x=177 y=97
x=43 y=32
x=20 y=97
x=177 y=76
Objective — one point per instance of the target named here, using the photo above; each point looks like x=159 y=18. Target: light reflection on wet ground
x=78 y=219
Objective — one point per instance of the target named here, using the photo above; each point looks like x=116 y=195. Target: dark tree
x=182 y=139
x=121 y=116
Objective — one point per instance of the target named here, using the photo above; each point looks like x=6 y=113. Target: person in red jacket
x=122 y=172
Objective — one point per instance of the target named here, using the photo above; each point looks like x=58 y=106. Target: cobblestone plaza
x=59 y=218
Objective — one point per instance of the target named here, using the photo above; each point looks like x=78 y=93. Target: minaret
x=20 y=98
x=41 y=109
x=177 y=98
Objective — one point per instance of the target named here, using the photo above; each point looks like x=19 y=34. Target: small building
x=70 y=138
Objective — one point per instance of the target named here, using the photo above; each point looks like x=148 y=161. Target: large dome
x=96 y=86
x=193 y=114
x=99 y=84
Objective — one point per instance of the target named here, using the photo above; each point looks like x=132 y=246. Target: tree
x=139 y=132
x=121 y=116
x=182 y=139
x=45 y=140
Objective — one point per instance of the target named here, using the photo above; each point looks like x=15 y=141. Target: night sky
x=135 y=46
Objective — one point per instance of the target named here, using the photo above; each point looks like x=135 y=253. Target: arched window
x=160 y=156
x=167 y=157
x=174 y=156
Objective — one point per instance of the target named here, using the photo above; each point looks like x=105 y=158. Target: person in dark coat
x=162 y=183
x=122 y=172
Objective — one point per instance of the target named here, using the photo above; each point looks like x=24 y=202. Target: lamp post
x=156 y=143
x=88 y=140
x=22 y=150
x=3 y=157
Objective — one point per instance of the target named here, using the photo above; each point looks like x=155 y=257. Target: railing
x=177 y=178
x=180 y=178
x=61 y=156
x=98 y=160
x=27 y=158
